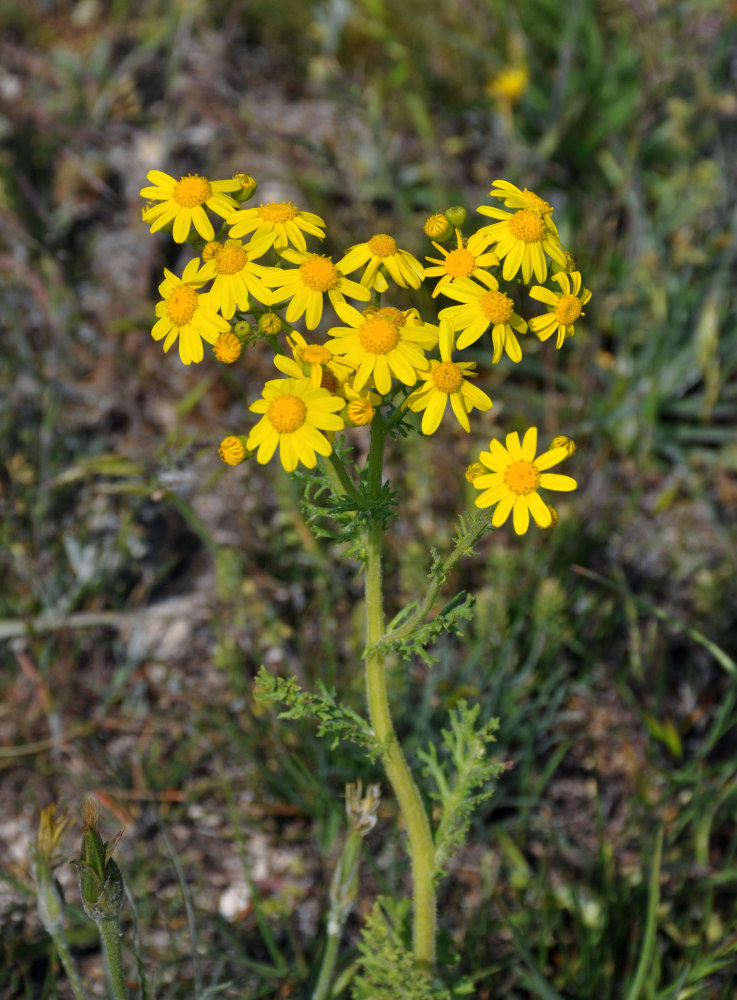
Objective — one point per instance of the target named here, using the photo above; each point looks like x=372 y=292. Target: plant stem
x=422 y=849
x=109 y=930
x=69 y=965
x=322 y=990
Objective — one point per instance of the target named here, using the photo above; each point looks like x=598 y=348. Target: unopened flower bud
x=233 y=450
x=561 y=441
x=437 y=227
x=270 y=323
x=100 y=879
x=360 y=412
x=247 y=187
x=227 y=348
x=456 y=216
x=474 y=470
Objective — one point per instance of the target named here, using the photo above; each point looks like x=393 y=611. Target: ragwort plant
x=256 y=281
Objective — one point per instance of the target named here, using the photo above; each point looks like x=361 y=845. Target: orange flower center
x=522 y=478
x=319 y=273
x=315 y=354
x=527 y=226
x=192 y=191
x=447 y=376
x=287 y=413
x=382 y=245
x=231 y=258
x=181 y=305
x=278 y=211
x=460 y=263
x=568 y=309
x=378 y=335
x=496 y=306
x=536 y=203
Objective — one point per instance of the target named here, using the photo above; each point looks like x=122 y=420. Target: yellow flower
x=182 y=314
x=182 y=201
x=462 y=262
x=483 y=307
x=564 y=307
x=294 y=416
x=447 y=380
x=522 y=239
x=362 y=405
x=514 y=478
x=227 y=348
x=382 y=249
x=513 y=197
x=509 y=84
x=314 y=361
x=232 y=450
x=381 y=343
x=236 y=275
x=305 y=286
x=281 y=221
x=437 y=227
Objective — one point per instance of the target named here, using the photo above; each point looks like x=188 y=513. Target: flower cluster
x=256 y=278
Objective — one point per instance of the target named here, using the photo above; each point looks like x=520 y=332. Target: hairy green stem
x=109 y=930
x=422 y=849
x=69 y=965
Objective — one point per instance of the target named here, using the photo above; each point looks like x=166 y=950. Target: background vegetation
x=143 y=583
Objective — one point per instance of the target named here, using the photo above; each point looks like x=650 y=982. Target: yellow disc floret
x=278 y=211
x=379 y=335
x=447 y=376
x=191 y=191
x=230 y=258
x=496 y=306
x=382 y=245
x=182 y=305
x=568 y=309
x=527 y=226
x=460 y=263
x=287 y=413
x=522 y=478
x=319 y=273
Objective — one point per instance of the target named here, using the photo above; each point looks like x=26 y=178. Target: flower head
x=294 y=416
x=306 y=285
x=564 y=307
x=382 y=250
x=437 y=227
x=233 y=450
x=461 y=262
x=183 y=314
x=522 y=239
x=182 y=201
x=447 y=381
x=509 y=84
x=381 y=343
x=314 y=361
x=513 y=197
x=514 y=478
x=484 y=306
x=279 y=221
x=227 y=348
x=236 y=275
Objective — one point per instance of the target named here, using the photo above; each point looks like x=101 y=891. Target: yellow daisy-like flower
x=182 y=314
x=381 y=343
x=314 y=361
x=513 y=197
x=281 y=221
x=462 y=262
x=509 y=84
x=483 y=307
x=182 y=203
x=522 y=239
x=307 y=284
x=447 y=380
x=294 y=416
x=564 y=307
x=236 y=275
x=514 y=478
x=382 y=250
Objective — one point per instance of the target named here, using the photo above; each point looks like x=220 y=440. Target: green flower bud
x=456 y=216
